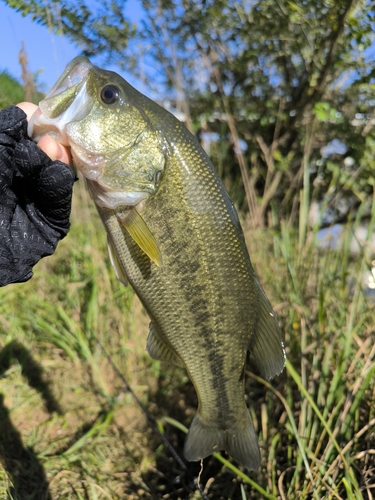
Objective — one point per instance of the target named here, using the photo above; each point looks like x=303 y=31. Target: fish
x=173 y=234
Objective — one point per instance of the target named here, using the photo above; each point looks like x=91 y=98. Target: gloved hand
x=35 y=199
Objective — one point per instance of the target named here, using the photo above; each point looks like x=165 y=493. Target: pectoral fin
x=159 y=349
x=119 y=270
x=138 y=230
x=266 y=346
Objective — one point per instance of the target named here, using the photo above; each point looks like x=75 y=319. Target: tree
x=97 y=27
x=12 y=91
x=274 y=81
x=29 y=80
x=285 y=78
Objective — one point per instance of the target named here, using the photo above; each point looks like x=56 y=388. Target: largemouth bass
x=174 y=235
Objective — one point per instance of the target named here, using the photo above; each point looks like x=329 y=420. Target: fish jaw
x=67 y=101
x=107 y=198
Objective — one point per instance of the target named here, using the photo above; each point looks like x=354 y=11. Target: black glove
x=35 y=199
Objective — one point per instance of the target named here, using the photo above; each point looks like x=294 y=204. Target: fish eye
x=110 y=94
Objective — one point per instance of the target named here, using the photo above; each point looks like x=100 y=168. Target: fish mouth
x=66 y=102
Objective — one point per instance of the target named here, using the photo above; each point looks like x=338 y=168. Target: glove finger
x=49 y=184
x=30 y=161
x=7 y=196
x=13 y=125
x=55 y=191
x=23 y=242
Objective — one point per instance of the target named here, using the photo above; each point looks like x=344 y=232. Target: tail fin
x=240 y=443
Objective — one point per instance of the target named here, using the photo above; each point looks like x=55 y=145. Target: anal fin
x=159 y=349
x=266 y=345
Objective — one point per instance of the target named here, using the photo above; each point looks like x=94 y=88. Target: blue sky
x=46 y=51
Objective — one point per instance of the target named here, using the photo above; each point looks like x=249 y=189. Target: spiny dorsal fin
x=138 y=230
x=266 y=346
x=119 y=270
x=159 y=349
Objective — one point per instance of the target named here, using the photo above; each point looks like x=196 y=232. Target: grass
x=69 y=429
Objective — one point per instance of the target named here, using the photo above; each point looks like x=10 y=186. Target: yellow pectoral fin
x=141 y=234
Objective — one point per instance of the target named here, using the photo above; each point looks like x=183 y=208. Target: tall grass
x=75 y=433
x=328 y=394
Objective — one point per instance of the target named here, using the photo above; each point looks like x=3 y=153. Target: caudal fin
x=240 y=443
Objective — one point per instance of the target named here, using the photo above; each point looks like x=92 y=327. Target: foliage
x=267 y=83
x=11 y=91
x=277 y=81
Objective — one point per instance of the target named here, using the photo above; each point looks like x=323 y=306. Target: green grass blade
x=305 y=393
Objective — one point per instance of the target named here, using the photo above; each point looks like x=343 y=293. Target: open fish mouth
x=67 y=101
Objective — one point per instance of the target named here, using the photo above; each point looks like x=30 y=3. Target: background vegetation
x=267 y=86
x=11 y=91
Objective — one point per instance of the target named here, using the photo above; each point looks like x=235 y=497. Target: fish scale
x=182 y=249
